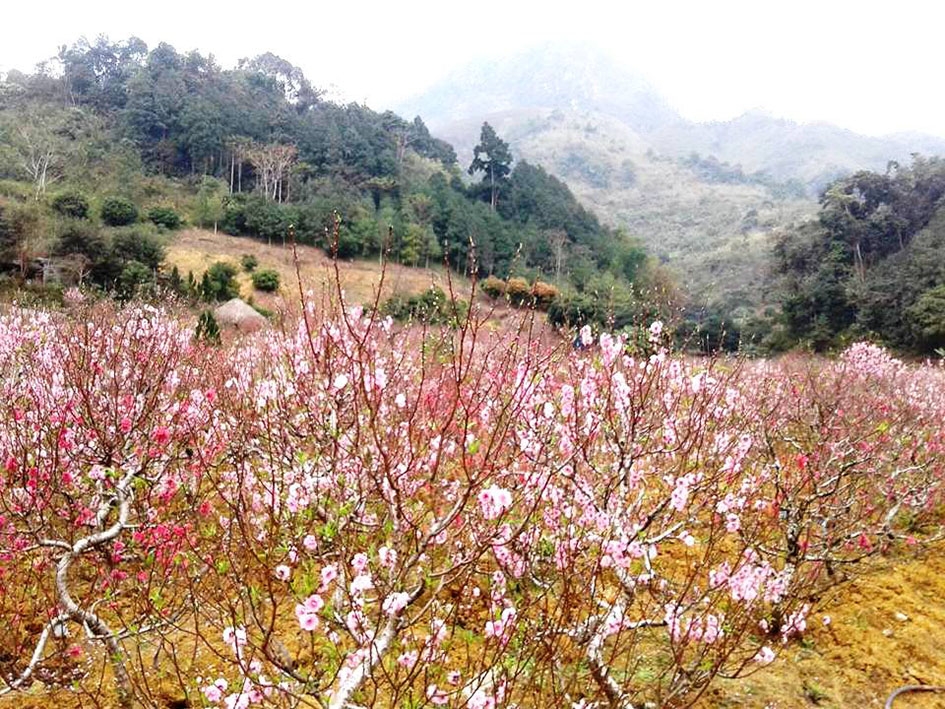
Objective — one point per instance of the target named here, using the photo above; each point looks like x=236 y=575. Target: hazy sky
x=873 y=67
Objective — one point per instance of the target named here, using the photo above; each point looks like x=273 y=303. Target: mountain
x=569 y=76
x=704 y=197
x=814 y=153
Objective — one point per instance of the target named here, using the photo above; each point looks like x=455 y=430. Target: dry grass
x=196 y=250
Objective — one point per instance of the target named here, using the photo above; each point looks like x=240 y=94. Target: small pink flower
x=765 y=656
x=387 y=556
x=407 y=659
x=361 y=583
x=310 y=542
x=395 y=603
x=359 y=562
x=436 y=696
x=283 y=572
x=329 y=574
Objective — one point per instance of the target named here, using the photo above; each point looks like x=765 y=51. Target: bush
x=208 y=329
x=71 y=204
x=518 y=291
x=165 y=217
x=81 y=237
x=543 y=294
x=138 y=244
x=118 y=211
x=266 y=280
x=133 y=276
x=494 y=287
x=249 y=262
x=432 y=307
x=219 y=282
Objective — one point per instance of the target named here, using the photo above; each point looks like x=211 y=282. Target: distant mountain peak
x=564 y=75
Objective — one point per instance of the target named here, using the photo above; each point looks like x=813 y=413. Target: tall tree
x=492 y=157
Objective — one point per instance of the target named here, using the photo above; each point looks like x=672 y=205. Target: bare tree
x=39 y=154
x=272 y=162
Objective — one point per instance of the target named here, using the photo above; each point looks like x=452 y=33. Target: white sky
x=870 y=66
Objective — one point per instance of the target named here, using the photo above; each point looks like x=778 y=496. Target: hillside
x=712 y=235
x=197 y=249
x=630 y=158
x=122 y=143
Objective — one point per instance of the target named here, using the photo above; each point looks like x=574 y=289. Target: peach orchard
x=347 y=513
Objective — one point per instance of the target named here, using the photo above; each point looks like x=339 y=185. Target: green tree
x=493 y=158
x=165 y=217
x=208 y=207
x=266 y=280
x=927 y=317
x=118 y=211
x=71 y=204
x=219 y=282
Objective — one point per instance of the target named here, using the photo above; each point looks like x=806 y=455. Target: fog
x=868 y=67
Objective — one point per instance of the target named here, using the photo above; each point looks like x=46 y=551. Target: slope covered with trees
x=873 y=263
x=253 y=150
x=704 y=198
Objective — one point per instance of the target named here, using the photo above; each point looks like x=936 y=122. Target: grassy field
x=197 y=249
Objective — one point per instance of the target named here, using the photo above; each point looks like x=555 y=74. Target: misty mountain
x=704 y=197
x=569 y=77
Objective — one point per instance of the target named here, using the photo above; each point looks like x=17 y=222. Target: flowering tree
x=345 y=513
x=98 y=414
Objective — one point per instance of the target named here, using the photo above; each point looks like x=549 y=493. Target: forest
x=117 y=145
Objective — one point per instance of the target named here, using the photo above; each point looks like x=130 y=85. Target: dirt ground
x=886 y=629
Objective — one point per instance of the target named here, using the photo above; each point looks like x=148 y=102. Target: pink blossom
x=329 y=574
x=494 y=500
x=387 y=556
x=765 y=656
x=407 y=659
x=359 y=562
x=395 y=603
x=214 y=692
x=436 y=696
x=361 y=583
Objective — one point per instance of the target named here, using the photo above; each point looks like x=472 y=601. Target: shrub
x=219 y=282
x=494 y=287
x=543 y=294
x=133 y=276
x=81 y=237
x=518 y=291
x=165 y=217
x=432 y=307
x=138 y=244
x=249 y=262
x=208 y=329
x=118 y=211
x=266 y=280
x=71 y=204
